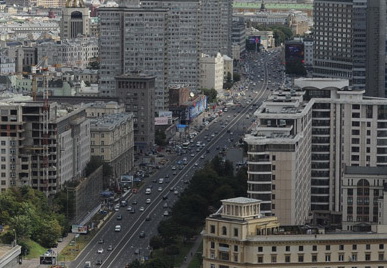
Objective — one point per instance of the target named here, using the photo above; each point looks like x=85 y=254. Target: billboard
x=79 y=229
x=253 y=43
x=199 y=105
x=294 y=52
x=165 y=114
x=161 y=121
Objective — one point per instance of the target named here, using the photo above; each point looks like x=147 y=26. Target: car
x=137 y=251
x=110 y=248
x=117 y=207
x=141 y=209
x=134 y=202
x=148 y=201
x=119 y=217
x=148 y=218
x=142 y=234
x=100 y=251
x=124 y=203
x=202 y=157
x=166 y=176
x=130 y=208
x=165 y=197
x=176 y=192
x=161 y=180
x=117 y=228
x=98 y=262
x=173 y=168
x=100 y=241
x=192 y=155
x=166 y=213
x=160 y=189
x=196 y=164
x=165 y=205
x=172 y=189
x=174 y=173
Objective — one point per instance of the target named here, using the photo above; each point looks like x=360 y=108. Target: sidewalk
x=34 y=263
x=191 y=254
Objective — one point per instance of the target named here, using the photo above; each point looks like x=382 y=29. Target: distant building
x=239 y=236
x=212 y=72
x=137 y=92
x=75 y=20
x=7 y=64
x=238 y=32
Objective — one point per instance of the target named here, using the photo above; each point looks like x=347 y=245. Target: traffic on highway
x=125 y=236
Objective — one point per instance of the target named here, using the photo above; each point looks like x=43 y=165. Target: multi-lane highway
x=122 y=247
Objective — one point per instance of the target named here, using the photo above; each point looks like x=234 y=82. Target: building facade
x=137 y=92
x=212 y=72
x=352 y=44
x=134 y=39
x=279 y=157
x=75 y=21
x=112 y=140
x=238 y=235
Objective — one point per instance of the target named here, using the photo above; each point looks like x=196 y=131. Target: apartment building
x=212 y=72
x=137 y=92
x=238 y=33
x=279 y=157
x=349 y=43
x=101 y=108
x=135 y=39
x=238 y=235
x=42 y=145
x=112 y=140
x=7 y=64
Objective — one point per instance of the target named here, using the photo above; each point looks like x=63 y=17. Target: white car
x=166 y=213
x=160 y=189
x=100 y=251
x=141 y=209
x=148 y=201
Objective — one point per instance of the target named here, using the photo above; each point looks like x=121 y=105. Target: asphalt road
x=127 y=244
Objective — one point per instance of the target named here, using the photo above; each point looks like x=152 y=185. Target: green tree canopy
x=210 y=93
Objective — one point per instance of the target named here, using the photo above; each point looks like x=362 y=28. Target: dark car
x=119 y=217
x=98 y=262
x=148 y=218
x=142 y=234
x=100 y=241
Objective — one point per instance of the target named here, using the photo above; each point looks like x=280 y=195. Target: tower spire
x=262 y=9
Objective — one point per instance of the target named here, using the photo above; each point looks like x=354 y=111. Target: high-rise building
x=279 y=158
x=137 y=91
x=134 y=39
x=75 y=20
x=349 y=42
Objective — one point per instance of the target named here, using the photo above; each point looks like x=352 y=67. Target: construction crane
x=41 y=66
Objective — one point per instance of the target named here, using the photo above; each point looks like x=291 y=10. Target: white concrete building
x=239 y=236
x=279 y=157
x=212 y=72
x=7 y=64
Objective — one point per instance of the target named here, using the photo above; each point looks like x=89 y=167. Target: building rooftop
x=109 y=121
x=241 y=200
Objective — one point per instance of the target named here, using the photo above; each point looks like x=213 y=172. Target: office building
x=279 y=157
x=134 y=39
x=75 y=20
x=137 y=92
x=239 y=236
x=212 y=72
x=238 y=33
x=349 y=43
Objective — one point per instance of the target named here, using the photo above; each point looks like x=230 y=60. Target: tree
x=160 y=138
x=94 y=65
x=95 y=163
x=156 y=242
x=210 y=93
x=237 y=77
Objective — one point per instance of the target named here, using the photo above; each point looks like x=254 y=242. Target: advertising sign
x=253 y=42
x=165 y=114
x=199 y=105
x=161 y=121
x=79 y=229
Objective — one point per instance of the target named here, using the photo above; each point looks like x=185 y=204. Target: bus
x=186 y=144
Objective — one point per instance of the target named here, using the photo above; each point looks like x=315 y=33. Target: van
x=148 y=191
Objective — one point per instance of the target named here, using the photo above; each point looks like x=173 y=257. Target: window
x=314 y=248
x=300 y=248
x=368 y=246
x=235 y=248
x=273 y=258
x=287 y=258
x=212 y=229
x=367 y=256
x=328 y=257
x=260 y=259
x=341 y=247
x=354 y=247
x=381 y=256
x=2 y=143
x=327 y=247
x=224 y=230
x=381 y=246
x=212 y=244
x=274 y=248
x=300 y=258
x=341 y=257
x=314 y=258
x=235 y=231
x=287 y=248
x=354 y=257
